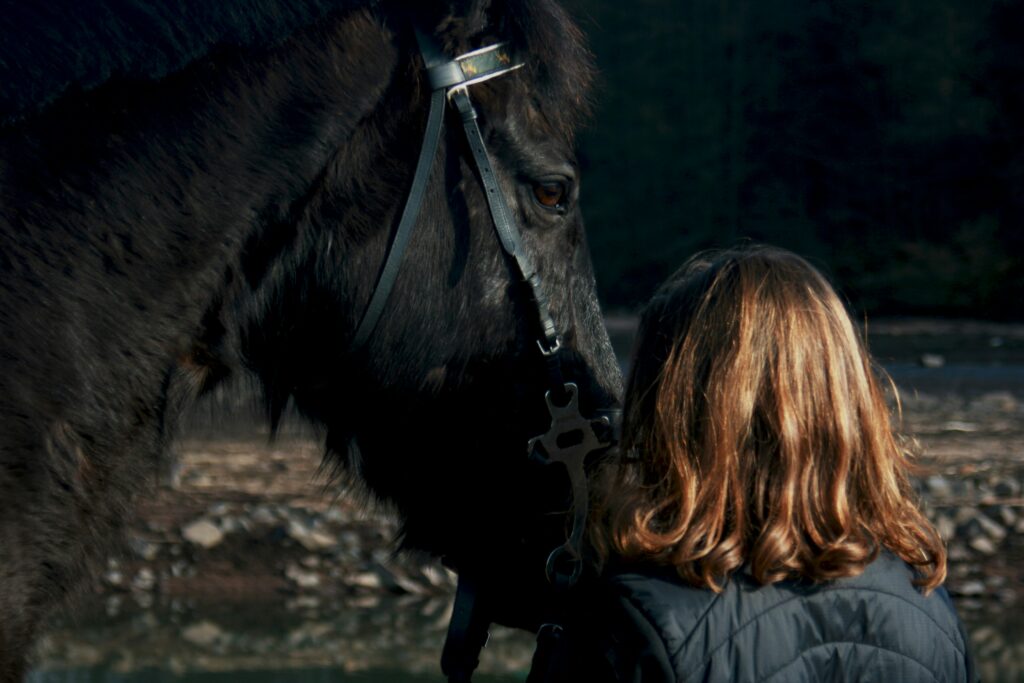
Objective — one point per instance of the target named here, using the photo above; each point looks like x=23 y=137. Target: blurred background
x=882 y=140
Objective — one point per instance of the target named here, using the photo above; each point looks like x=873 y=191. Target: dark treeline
x=884 y=140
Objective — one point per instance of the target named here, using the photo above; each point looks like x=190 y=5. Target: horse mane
x=53 y=47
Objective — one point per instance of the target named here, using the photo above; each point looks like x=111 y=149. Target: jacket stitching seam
x=847 y=642
x=835 y=589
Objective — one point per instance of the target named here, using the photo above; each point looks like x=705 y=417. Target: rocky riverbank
x=243 y=529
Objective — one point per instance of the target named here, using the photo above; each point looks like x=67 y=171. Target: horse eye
x=550 y=194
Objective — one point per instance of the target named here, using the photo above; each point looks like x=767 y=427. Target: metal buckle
x=482 y=65
x=546 y=352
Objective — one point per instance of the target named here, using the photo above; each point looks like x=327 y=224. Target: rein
x=571 y=436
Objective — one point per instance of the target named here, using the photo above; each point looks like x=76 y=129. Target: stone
x=1003 y=514
x=143 y=600
x=219 y=509
x=370 y=580
x=938 y=486
x=145 y=580
x=945 y=526
x=143 y=549
x=113 y=606
x=964 y=514
x=995 y=581
x=991 y=528
x=407 y=585
x=229 y=525
x=968 y=589
x=983 y=545
x=310 y=539
x=336 y=515
x=958 y=552
x=351 y=541
x=438 y=576
x=303 y=602
x=302 y=578
x=113 y=578
x=262 y=514
x=1007 y=487
x=203 y=634
x=203 y=533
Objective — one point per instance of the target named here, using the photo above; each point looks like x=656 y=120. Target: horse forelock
x=559 y=65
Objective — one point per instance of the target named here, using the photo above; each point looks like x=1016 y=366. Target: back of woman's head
x=756 y=433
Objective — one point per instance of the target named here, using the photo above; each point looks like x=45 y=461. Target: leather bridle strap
x=467 y=631
x=450 y=78
x=504 y=225
x=421 y=178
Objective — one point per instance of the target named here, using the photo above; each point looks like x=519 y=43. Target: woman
x=761 y=525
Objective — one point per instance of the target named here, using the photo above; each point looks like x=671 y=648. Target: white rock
x=369 y=580
x=113 y=578
x=945 y=526
x=992 y=529
x=939 y=486
x=203 y=533
x=970 y=588
x=983 y=545
x=301 y=578
x=1004 y=514
x=310 y=539
x=145 y=580
x=203 y=634
x=144 y=549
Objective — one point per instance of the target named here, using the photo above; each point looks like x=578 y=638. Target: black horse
x=189 y=193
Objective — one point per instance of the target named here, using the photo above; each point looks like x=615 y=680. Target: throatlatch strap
x=421 y=178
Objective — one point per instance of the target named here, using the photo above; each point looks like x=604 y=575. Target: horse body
x=231 y=218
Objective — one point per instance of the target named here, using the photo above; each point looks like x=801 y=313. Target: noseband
x=571 y=437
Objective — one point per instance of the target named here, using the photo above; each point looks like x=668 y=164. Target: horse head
x=191 y=194
x=434 y=411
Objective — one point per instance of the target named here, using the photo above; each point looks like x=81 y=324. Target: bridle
x=571 y=436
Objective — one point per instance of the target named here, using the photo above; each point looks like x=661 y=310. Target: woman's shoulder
x=748 y=630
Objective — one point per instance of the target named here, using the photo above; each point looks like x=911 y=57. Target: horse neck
x=145 y=195
x=194 y=157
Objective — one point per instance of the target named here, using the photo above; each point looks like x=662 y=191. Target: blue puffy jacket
x=649 y=626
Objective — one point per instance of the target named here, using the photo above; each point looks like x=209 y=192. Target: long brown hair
x=756 y=433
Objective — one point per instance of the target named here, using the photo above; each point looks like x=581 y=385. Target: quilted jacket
x=647 y=626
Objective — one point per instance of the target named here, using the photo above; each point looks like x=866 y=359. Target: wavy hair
x=756 y=433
